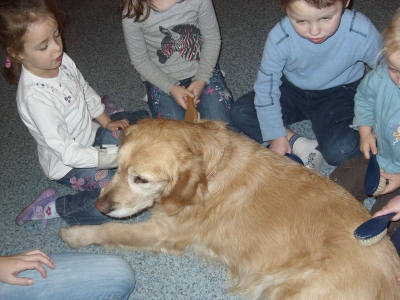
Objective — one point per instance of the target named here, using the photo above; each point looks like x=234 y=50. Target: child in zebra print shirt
x=174 y=45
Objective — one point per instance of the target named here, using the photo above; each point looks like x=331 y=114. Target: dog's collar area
x=213 y=172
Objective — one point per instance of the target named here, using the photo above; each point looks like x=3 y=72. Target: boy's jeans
x=330 y=111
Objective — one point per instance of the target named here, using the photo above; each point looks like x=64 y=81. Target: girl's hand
x=11 y=266
x=106 y=122
x=393 y=182
x=179 y=94
x=117 y=125
x=280 y=145
x=393 y=206
x=197 y=87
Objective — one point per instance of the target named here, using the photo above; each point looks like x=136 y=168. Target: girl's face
x=43 y=48
x=393 y=62
x=313 y=24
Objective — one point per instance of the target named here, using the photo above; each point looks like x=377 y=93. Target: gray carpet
x=94 y=40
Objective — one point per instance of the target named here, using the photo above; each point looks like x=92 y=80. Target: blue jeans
x=77 y=276
x=215 y=101
x=80 y=208
x=330 y=111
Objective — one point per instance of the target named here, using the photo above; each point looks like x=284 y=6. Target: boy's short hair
x=314 y=3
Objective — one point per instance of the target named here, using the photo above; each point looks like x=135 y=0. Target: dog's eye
x=138 y=179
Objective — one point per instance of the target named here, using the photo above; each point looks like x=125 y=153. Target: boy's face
x=43 y=48
x=313 y=24
x=393 y=62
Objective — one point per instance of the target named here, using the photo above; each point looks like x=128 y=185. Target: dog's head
x=161 y=161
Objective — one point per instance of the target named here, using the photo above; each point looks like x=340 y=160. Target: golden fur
x=283 y=231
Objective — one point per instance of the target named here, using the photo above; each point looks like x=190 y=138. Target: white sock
x=306 y=150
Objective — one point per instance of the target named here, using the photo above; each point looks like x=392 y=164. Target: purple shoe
x=37 y=209
x=110 y=108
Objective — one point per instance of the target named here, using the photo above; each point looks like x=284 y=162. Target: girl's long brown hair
x=138 y=10
x=15 y=18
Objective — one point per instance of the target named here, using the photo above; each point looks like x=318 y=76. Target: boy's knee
x=243 y=108
x=336 y=158
x=236 y=113
x=339 y=146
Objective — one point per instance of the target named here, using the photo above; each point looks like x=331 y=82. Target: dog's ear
x=187 y=189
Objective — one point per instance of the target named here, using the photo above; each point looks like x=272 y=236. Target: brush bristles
x=373 y=240
x=381 y=186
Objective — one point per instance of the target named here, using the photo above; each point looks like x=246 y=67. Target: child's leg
x=76 y=276
x=163 y=105
x=244 y=116
x=294 y=103
x=75 y=209
x=42 y=208
x=80 y=209
x=306 y=150
x=331 y=115
x=87 y=179
x=216 y=100
x=350 y=174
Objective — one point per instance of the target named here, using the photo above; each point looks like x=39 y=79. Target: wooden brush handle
x=191 y=111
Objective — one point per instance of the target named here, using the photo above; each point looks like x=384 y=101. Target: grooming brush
x=191 y=114
x=293 y=157
x=374 y=184
x=373 y=230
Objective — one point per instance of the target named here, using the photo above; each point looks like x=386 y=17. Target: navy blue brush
x=374 y=184
x=293 y=157
x=373 y=230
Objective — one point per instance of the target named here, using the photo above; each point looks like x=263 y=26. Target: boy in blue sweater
x=312 y=64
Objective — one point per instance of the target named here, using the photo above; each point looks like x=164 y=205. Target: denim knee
x=80 y=209
x=244 y=116
x=334 y=155
x=337 y=141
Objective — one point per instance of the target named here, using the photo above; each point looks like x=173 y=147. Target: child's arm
x=393 y=206
x=140 y=59
x=280 y=145
x=11 y=266
x=267 y=86
x=197 y=87
x=105 y=121
x=367 y=140
x=364 y=102
x=50 y=130
x=211 y=44
x=179 y=94
x=93 y=101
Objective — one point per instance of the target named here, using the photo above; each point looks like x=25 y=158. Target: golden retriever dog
x=282 y=231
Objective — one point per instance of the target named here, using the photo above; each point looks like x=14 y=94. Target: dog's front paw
x=75 y=236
